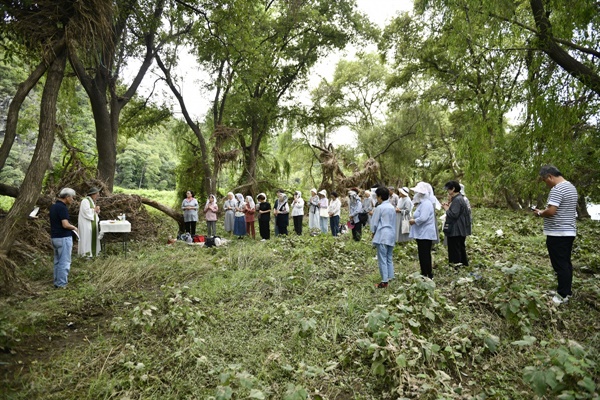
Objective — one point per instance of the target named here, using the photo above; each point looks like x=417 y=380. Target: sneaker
x=381 y=285
x=375 y=258
x=558 y=299
x=263 y=240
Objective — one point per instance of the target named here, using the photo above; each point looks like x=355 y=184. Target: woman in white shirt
x=323 y=212
x=298 y=212
x=313 y=210
x=334 y=214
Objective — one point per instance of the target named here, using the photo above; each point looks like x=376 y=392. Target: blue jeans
x=335 y=225
x=62 y=260
x=323 y=223
x=384 y=259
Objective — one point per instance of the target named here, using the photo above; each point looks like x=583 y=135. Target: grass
x=298 y=318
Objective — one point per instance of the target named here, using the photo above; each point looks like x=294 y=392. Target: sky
x=378 y=11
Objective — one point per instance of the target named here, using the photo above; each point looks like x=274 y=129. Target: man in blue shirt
x=383 y=225
x=61 y=232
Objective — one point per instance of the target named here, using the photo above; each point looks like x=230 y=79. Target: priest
x=89 y=241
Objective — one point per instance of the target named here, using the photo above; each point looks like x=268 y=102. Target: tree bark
x=15 y=105
x=582 y=211
x=32 y=183
x=176 y=215
x=578 y=70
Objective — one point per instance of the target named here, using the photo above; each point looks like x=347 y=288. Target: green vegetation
x=299 y=318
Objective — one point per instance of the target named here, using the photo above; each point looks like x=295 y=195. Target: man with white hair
x=61 y=232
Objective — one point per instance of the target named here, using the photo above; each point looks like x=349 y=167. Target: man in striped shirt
x=559 y=228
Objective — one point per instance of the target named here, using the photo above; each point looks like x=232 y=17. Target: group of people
x=393 y=220
x=388 y=213
x=392 y=217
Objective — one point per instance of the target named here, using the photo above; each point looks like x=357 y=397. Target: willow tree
x=41 y=27
x=488 y=60
x=270 y=48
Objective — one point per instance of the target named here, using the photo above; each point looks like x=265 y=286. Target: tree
x=52 y=29
x=133 y=24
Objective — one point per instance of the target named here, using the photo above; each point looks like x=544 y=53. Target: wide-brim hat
x=404 y=191
x=323 y=192
x=420 y=188
x=92 y=190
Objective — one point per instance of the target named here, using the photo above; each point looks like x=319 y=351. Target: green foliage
x=566 y=372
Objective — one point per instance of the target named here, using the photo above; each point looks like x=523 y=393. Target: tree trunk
x=511 y=201
x=582 y=211
x=15 y=105
x=32 y=183
x=11 y=191
x=176 y=215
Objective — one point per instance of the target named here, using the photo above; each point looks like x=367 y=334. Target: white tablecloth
x=114 y=227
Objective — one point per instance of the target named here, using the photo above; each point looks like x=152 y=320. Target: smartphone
x=532 y=208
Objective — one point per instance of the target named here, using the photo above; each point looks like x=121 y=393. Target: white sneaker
x=263 y=240
x=558 y=299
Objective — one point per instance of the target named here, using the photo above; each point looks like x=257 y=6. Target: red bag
x=198 y=239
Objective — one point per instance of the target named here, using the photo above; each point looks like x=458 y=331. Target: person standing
x=239 y=223
x=458 y=224
x=323 y=210
x=560 y=228
x=275 y=211
x=189 y=205
x=335 y=207
x=298 y=212
x=282 y=214
x=61 y=233
x=264 y=217
x=383 y=226
x=367 y=205
x=87 y=225
x=249 y=211
x=422 y=227
x=355 y=206
x=229 y=208
x=210 y=214
x=403 y=212
x=314 y=218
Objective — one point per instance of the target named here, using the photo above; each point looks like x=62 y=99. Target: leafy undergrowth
x=299 y=318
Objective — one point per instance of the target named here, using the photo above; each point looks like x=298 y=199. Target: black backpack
x=209 y=241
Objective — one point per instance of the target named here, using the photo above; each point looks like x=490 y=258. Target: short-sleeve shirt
x=564 y=197
x=58 y=212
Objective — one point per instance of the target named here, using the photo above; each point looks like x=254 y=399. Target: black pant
x=357 y=231
x=298 y=224
x=457 y=252
x=425 y=261
x=559 y=250
x=190 y=227
x=263 y=228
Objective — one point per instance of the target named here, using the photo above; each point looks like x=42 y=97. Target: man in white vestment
x=89 y=241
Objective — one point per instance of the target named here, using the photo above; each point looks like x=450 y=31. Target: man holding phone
x=560 y=228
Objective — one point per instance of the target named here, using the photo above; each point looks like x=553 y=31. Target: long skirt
x=229 y=220
x=314 y=219
x=239 y=226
